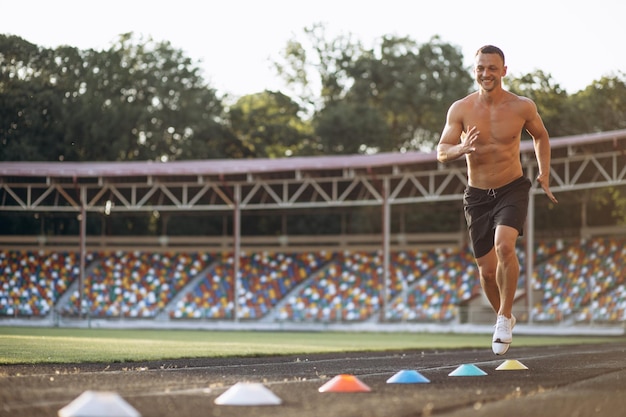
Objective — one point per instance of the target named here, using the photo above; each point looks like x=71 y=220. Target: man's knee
x=487 y=272
x=505 y=250
x=504 y=243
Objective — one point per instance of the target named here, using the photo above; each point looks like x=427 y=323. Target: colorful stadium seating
x=439 y=290
x=135 y=284
x=32 y=282
x=265 y=279
x=581 y=281
x=584 y=274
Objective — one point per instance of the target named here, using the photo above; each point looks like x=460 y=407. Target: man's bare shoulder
x=469 y=99
x=464 y=102
x=523 y=105
x=521 y=100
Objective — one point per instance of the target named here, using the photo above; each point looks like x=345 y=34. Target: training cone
x=511 y=365
x=344 y=383
x=98 y=404
x=407 y=376
x=248 y=393
x=467 y=370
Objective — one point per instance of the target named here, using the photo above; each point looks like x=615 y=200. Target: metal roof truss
x=574 y=167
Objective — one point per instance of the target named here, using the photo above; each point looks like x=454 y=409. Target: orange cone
x=344 y=383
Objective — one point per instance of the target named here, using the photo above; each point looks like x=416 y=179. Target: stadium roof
x=207 y=166
x=224 y=167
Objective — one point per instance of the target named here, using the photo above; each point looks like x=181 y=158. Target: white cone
x=98 y=404
x=248 y=393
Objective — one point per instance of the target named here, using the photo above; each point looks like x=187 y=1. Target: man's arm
x=535 y=127
x=454 y=142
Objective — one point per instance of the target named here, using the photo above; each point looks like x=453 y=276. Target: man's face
x=489 y=70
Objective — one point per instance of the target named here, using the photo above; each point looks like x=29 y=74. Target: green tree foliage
x=411 y=86
x=316 y=67
x=391 y=97
x=138 y=100
x=29 y=106
x=348 y=127
x=601 y=106
x=269 y=125
x=607 y=206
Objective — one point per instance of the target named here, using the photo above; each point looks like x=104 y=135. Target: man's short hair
x=490 y=49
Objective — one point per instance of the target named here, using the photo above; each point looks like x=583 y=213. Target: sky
x=235 y=41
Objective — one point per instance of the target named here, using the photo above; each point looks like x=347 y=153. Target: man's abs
x=495 y=175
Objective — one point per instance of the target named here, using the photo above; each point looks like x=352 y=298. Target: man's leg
x=487 y=270
x=507 y=270
x=507 y=273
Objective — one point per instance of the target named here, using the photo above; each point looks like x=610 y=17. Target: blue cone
x=467 y=370
x=408 y=377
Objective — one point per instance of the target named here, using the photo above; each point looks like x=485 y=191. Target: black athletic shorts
x=486 y=209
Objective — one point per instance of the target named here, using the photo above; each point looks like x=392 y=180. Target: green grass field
x=22 y=345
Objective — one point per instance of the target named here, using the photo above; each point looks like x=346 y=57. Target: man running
x=486 y=128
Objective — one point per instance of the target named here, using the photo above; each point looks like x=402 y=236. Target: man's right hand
x=468 y=139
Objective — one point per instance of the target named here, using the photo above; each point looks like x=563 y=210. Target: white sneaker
x=503 y=334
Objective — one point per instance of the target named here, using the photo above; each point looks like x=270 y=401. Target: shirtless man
x=486 y=128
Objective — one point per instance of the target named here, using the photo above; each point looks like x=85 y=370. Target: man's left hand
x=544 y=181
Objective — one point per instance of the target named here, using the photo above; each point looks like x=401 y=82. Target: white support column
x=386 y=231
x=236 y=251
x=530 y=244
x=82 y=252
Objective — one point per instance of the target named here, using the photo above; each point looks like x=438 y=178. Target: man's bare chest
x=496 y=125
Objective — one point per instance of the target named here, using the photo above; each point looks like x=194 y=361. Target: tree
x=138 y=100
x=412 y=86
x=146 y=101
x=268 y=125
x=316 y=67
x=29 y=101
x=400 y=89
x=601 y=106
x=348 y=127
